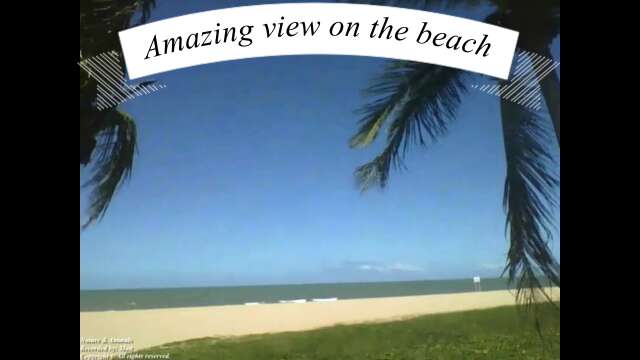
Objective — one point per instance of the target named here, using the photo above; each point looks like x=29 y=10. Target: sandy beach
x=148 y=328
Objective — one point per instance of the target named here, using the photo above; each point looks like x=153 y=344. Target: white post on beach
x=476 y=283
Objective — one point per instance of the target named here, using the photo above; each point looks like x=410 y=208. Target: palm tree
x=108 y=137
x=417 y=101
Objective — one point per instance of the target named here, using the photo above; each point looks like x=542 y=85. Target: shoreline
x=151 y=298
x=279 y=302
x=154 y=327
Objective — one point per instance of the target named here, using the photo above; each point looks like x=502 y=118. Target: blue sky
x=244 y=176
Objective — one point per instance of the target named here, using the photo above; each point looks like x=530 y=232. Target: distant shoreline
x=139 y=299
x=154 y=327
x=283 y=284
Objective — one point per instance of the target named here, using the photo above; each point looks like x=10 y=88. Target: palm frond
x=419 y=99
x=100 y=22
x=145 y=7
x=530 y=198
x=107 y=138
x=391 y=88
x=117 y=147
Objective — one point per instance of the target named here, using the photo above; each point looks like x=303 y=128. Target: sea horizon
x=178 y=297
x=280 y=284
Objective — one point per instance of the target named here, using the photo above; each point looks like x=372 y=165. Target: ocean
x=111 y=300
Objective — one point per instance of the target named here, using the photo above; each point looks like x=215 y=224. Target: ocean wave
x=296 y=301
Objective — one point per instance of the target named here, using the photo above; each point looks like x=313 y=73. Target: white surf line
x=296 y=301
x=325 y=300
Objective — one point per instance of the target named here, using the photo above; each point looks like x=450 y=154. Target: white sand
x=149 y=328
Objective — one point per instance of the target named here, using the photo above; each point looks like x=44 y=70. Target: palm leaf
x=391 y=88
x=107 y=138
x=419 y=100
x=530 y=197
x=113 y=165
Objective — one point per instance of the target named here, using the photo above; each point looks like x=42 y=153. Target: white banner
x=317 y=29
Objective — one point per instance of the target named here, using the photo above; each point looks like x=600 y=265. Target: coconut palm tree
x=107 y=137
x=417 y=102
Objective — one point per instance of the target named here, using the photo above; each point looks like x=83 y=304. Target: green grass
x=500 y=333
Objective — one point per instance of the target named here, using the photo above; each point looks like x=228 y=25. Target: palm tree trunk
x=550 y=86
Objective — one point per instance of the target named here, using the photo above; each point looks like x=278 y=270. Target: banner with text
x=318 y=29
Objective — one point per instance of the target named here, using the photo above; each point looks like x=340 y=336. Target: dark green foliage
x=108 y=137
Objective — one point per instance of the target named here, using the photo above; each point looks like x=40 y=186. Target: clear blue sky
x=244 y=176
